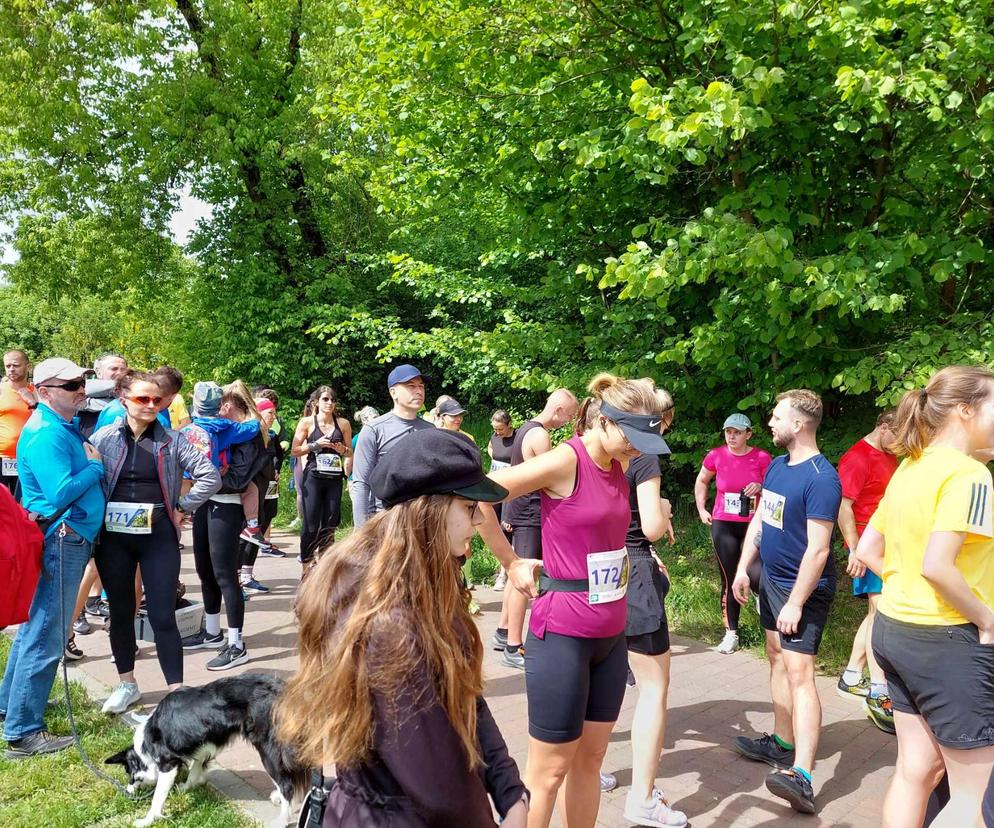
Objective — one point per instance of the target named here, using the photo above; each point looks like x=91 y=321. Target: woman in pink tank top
x=575 y=656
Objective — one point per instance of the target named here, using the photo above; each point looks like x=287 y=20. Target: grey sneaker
x=657 y=812
x=790 y=785
x=203 y=641
x=499 y=641
x=608 y=782
x=81 y=625
x=765 y=749
x=124 y=695
x=516 y=659
x=230 y=656
x=37 y=744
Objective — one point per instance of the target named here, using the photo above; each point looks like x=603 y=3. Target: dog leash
x=65 y=679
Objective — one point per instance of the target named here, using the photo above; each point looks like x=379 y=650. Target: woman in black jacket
x=390 y=683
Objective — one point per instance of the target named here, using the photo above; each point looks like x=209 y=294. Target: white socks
x=212 y=623
x=234 y=637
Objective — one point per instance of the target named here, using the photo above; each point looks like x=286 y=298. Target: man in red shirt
x=17 y=401
x=865 y=470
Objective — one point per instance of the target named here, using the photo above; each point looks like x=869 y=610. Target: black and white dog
x=192 y=724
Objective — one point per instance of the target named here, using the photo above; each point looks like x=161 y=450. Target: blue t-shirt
x=793 y=495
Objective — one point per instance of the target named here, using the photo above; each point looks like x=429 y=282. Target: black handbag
x=312 y=810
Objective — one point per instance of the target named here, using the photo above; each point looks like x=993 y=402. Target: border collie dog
x=192 y=724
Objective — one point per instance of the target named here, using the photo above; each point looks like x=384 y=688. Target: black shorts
x=941 y=673
x=814 y=614
x=570 y=681
x=646 y=628
x=527 y=542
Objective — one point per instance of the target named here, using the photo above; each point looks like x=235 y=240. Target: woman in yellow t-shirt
x=931 y=541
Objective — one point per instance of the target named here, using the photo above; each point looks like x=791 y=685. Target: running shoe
x=37 y=744
x=499 y=641
x=124 y=695
x=252 y=535
x=230 y=656
x=72 y=652
x=515 y=659
x=267 y=550
x=501 y=581
x=880 y=711
x=103 y=609
x=790 y=785
x=92 y=606
x=655 y=812
x=294 y=525
x=608 y=782
x=252 y=585
x=859 y=690
x=730 y=643
x=764 y=749
x=134 y=719
x=203 y=641
x=81 y=625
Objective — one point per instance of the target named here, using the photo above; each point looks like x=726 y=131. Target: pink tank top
x=594 y=518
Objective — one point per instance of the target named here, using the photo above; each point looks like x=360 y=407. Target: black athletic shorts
x=527 y=542
x=941 y=673
x=570 y=681
x=814 y=614
x=646 y=629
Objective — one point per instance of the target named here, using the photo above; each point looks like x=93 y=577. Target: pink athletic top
x=732 y=474
x=594 y=518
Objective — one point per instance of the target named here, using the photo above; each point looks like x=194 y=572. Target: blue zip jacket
x=225 y=433
x=115 y=411
x=56 y=477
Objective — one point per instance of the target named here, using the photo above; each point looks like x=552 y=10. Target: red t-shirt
x=865 y=472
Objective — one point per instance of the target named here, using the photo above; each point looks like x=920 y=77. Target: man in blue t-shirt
x=792 y=531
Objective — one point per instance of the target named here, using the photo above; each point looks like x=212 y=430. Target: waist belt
x=547 y=584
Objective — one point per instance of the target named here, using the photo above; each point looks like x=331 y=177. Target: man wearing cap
x=795 y=519
x=407 y=390
x=61 y=481
x=17 y=401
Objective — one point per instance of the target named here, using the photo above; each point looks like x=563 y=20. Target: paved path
x=713 y=698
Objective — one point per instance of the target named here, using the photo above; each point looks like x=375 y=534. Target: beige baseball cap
x=57 y=368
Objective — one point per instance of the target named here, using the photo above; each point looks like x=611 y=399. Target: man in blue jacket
x=61 y=476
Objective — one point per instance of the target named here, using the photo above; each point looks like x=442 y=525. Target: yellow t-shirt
x=942 y=491
x=179 y=416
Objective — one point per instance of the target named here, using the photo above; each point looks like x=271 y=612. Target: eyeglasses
x=72 y=385
x=145 y=400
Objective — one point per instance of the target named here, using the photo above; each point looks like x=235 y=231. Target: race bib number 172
x=607 y=576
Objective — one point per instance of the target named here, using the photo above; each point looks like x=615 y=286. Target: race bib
x=328 y=463
x=129 y=518
x=732 y=503
x=273 y=490
x=773 y=506
x=607 y=576
x=9 y=467
x=498 y=464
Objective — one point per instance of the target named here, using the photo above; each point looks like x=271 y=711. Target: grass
x=59 y=791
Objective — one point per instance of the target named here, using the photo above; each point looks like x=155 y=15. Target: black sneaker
x=765 y=749
x=270 y=551
x=203 y=641
x=790 y=785
x=72 y=652
x=36 y=744
x=230 y=656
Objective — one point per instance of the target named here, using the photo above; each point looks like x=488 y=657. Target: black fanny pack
x=312 y=809
x=547 y=584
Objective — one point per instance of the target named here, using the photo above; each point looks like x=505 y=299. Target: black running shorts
x=572 y=680
x=941 y=673
x=814 y=615
x=527 y=542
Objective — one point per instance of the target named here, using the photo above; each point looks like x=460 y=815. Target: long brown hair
x=922 y=413
x=237 y=393
x=378 y=606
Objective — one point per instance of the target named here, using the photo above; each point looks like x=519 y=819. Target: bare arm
x=654 y=519
x=810 y=570
x=939 y=569
x=847 y=524
x=750 y=548
x=299 y=446
x=701 y=485
x=870 y=550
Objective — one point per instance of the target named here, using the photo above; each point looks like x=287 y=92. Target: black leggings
x=322 y=498
x=727 y=536
x=117 y=557
x=216 y=527
x=248 y=552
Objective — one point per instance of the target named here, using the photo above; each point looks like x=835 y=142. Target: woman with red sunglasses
x=143 y=468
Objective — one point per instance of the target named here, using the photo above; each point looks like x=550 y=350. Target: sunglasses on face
x=143 y=400
x=72 y=385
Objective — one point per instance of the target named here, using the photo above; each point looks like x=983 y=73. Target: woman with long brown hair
x=390 y=683
x=931 y=540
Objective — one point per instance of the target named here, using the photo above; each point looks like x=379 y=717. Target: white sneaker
x=124 y=695
x=656 y=812
x=501 y=581
x=730 y=643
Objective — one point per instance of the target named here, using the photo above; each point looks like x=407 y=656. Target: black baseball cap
x=642 y=430
x=451 y=407
x=433 y=461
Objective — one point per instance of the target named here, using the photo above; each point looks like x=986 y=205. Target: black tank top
x=138 y=480
x=316 y=434
x=527 y=509
x=501 y=447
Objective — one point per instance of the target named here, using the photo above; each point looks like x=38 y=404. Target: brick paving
x=713 y=698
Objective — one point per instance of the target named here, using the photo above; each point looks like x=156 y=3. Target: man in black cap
x=407 y=390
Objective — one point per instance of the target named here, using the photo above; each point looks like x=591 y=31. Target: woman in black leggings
x=324 y=441
x=143 y=469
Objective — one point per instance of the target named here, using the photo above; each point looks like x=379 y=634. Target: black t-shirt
x=642 y=468
x=501 y=447
x=527 y=509
x=138 y=481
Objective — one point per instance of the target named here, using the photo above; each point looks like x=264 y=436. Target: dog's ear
x=119 y=758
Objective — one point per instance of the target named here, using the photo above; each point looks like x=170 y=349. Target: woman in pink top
x=575 y=656
x=738 y=470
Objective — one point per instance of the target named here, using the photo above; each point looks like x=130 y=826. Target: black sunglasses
x=72 y=385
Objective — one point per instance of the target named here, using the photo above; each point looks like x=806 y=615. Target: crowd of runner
x=113 y=464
